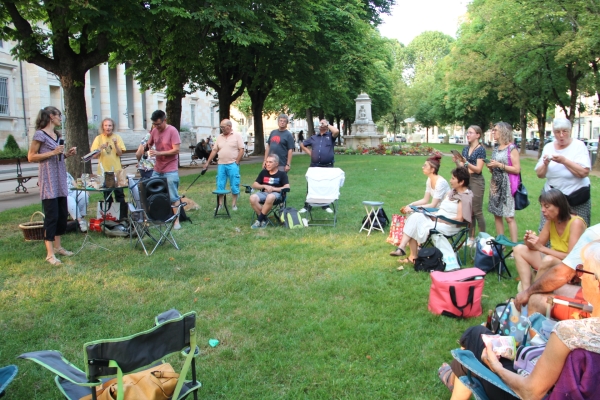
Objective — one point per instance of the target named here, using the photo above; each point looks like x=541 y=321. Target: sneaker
x=234 y=208
x=255 y=225
x=219 y=208
x=329 y=210
x=83 y=226
x=263 y=224
x=470 y=242
x=302 y=210
x=177 y=227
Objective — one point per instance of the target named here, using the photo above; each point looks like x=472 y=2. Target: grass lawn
x=315 y=313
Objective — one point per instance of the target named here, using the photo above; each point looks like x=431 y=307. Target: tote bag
x=396 y=229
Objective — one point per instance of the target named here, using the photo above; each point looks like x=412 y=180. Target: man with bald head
x=230 y=148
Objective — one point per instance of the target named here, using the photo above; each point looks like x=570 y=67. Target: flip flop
x=445 y=373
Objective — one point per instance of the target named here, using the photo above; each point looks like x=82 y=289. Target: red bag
x=396 y=229
x=456 y=293
x=568 y=308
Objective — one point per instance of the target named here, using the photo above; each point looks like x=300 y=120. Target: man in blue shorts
x=230 y=149
x=270 y=181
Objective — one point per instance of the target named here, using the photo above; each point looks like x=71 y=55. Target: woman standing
x=505 y=161
x=47 y=150
x=565 y=163
x=436 y=188
x=474 y=154
x=111 y=148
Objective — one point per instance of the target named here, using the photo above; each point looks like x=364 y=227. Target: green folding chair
x=109 y=358
x=500 y=243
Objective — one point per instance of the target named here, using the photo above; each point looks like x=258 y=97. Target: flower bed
x=411 y=149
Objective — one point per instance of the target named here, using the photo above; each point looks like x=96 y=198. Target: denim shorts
x=262 y=196
x=231 y=171
x=173 y=182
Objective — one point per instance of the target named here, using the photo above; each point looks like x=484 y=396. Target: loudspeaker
x=154 y=195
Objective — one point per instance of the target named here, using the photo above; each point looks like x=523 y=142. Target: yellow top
x=561 y=242
x=108 y=160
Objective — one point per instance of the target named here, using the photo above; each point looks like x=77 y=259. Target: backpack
x=430 y=259
x=380 y=222
x=486 y=255
x=291 y=218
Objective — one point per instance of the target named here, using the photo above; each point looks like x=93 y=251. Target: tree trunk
x=175 y=98
x=427 y=134
x=76 y=126
x=258 y=102
x=523 y=122
x=596 y=166
x=309 y=121
x=321 y=115
x=347 y=127
x=541 y=121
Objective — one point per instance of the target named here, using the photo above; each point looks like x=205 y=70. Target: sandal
x=398 y=252
x=63 y=252
x=406 y=260
x=53 y=260
x=445 y=373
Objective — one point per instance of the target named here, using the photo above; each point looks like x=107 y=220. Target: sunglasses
x=579 y=271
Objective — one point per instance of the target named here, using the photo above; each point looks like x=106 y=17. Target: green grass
x=314 y=313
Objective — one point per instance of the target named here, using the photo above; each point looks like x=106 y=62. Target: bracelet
x=466 y=164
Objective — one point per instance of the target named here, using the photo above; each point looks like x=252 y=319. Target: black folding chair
x=274 y=215
x=108 y=358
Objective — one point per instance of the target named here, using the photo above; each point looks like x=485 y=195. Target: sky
x=410 y=18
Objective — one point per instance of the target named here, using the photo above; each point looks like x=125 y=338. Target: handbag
x=429 y=259
x=521 y=196
x=514 y=179
x=396 y=229
x=155 y=383
x=508 y=321
x=457 y=293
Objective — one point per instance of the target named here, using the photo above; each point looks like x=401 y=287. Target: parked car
x=548 y=140
x=518 y=142
x=593 y=146
x=533 y=144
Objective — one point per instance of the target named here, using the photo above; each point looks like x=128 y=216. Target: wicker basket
x=33 y=230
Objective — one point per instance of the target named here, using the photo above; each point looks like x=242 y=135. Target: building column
x=138 y=124
x=122 y=98
x=104 y=92
x=150 y=108
x=88 y=97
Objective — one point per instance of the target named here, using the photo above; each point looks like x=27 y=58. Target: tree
x=67 y=38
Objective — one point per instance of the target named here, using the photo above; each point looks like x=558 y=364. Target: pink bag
x=457 y=293
x=396 y=229
x=514 y=179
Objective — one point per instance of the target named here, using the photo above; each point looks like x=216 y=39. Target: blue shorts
x=262 y=196
x=231 y=171
x=172 y=181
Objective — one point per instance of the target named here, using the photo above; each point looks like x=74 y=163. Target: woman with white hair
x=565 y=163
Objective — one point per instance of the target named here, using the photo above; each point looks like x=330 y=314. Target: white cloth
x=558 y=176
x=324 y=184
x=76 y=200
x=417 y=225
x=440 y=190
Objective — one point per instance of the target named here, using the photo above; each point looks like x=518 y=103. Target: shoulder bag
x=521 y=196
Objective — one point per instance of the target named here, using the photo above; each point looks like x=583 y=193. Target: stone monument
x=364 y=131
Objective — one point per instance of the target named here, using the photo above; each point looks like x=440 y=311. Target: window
x=4 y=96
x=193 y=113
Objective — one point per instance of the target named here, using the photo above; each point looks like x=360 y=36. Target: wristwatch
x=467 y=164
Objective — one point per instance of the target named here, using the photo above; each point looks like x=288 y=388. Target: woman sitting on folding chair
x=436 y=188
x=566 y=336
x=562 y=228
x=456 y=206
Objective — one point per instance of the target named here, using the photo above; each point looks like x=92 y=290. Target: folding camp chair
x=109 y=358
x=323 y=190
x=500 y=243
x=7 y=374
x=457 y=240
x=274 y=215
x=154 y=219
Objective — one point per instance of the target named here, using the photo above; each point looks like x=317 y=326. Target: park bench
x=19 y=177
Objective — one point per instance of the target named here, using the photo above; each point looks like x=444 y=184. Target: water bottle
x=145 y=139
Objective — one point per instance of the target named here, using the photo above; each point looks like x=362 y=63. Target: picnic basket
x=33 y=230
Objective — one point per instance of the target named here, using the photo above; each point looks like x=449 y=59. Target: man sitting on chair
x=270 y=181
x=321 y=151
